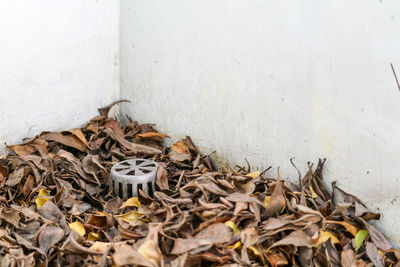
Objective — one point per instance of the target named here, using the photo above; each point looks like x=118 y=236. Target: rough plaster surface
x=268 y=80
x=59 y=63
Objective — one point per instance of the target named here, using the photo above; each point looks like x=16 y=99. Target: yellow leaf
x=150 y=250
x=77 y=227
x=313 y=194
x=256 y=253
x=253 y=174
x=40 y=201
x=93 y=236
x=132 y=202
x=102 y=213
x=236 y=245
x=254 y=250
x=43 y=192
x=283 y=209
x=325 y=236
x=42 y=197
x=389 y=250
x=360 y=237
x=233 y=226
x=349 y=227
x=5 y=241
x=130 y=217
x=266 y=200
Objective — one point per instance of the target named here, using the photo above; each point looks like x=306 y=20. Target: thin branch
x=395 y=76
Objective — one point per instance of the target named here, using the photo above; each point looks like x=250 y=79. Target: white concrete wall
x=271 y=80
x=58 y=64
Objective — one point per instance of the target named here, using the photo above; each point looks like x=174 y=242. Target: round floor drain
x=129 y=176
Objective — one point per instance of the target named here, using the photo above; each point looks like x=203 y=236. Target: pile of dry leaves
x=56 y=208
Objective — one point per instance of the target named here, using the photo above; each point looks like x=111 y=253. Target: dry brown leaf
x=277 y=200
x=347 y=258
x=180 y=147
x=16 y=177
x=240 y=197
x=28 y=186
x=51 y=212
x=3 y=173
x=50 y=236
x=185 y=245
x=78 y=133
x=10 y=216
x=72 y=244
x=295 y=238
x=105 y=110
x=125 y=255
x=181 y=157
x=94 y=127
x=136 y=148
x=101 y=247
x=373 y=254
x=23 y=150
x=276 y=259
x=377 y=237
x=218 y=233
x=69 y=140
x=162 y=178
x=151 y=135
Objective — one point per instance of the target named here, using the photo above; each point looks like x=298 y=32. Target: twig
x=395 y=76
x=180 y=179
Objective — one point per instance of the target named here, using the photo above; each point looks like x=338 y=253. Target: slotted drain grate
x=128 y=176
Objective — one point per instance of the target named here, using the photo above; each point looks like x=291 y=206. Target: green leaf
x=360 y=237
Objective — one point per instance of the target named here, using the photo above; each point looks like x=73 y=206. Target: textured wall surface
x=59 y=63
x=268 y=80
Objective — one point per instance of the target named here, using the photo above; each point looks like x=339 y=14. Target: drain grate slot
x=145 y=170
x=139 y=187
x=129 y=190
x=120 y=189
x=131 y=172
x=150 y=188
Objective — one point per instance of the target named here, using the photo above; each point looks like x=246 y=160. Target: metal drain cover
x=128 y=176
